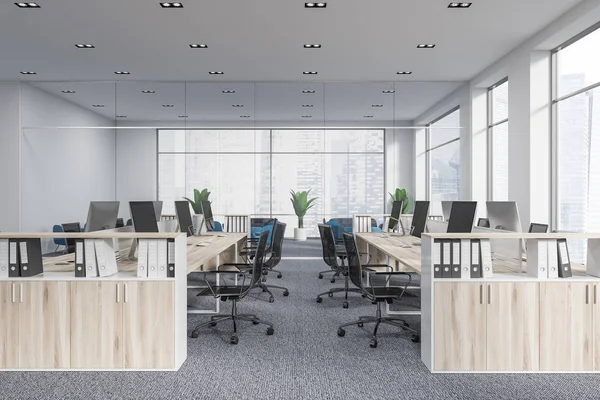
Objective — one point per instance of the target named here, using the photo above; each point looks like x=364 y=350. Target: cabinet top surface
x=511 y=235
x=91 y=235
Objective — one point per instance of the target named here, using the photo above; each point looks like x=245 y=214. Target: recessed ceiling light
x=121 y=116
x=425 y=46
x=388 y=91
x=244 y=116
x=68 y=91
x=85 y=46
x=308 y=91
x=97 y=105
x=368 y=116
x=228 y=91
x=403 y=72
x=377 y=105
x=307 y=116
x=307 y=105
x=168 y=105
x=183 y=116
x=310 y=72
x=237 y=105
x=312 y=46
x=215 y=72
x=122 y=73
x=148 y=91
x=171 y=5
x=199 y=46
x=28 y=5
x=459 y=5
x=315 y=5
x=28 y=73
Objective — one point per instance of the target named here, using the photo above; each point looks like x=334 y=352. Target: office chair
x=247 y=252
x=376 y=294
x=331 y=256
x=538 y=228
x=233 y=292
x=59 y=241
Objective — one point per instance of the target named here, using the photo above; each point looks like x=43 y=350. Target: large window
x=443 y=155
x=252 y=171
x=576 y=113
x=498 y=141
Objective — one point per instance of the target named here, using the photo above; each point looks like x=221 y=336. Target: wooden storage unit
x=9 y=326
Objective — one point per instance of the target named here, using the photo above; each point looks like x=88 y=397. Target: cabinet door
x=96 y=325
x=565 y=327
x=512 y=326
x=149 y=324
x=44 y=336
x=459 y=326
x=9 y=325
x=596 y=317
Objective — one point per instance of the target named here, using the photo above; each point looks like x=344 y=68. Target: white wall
x=10 y=119
x=62 y=169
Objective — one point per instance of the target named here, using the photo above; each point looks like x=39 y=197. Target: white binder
x=162 y=258
x=3 y=258
x=105 y=256
x=552 y=258
x=152 y=258
x=465 y=259
x=486 y=258
x=537 y=258
x=142 y=269
x=91 y=268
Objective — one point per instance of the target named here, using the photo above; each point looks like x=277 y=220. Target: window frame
x=490 y=136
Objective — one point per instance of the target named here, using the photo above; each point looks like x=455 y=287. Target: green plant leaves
x=301 y=204
x=401 y=195
x=199 y=197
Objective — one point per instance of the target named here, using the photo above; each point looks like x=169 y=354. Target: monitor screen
x=143 y=216
x=504 y=215
x=102 y=215
x=538 y=228
x=483 y=223
x=395 y=214
x=462 y=216
x=446 y=209
x=208 y=215
x=419 y=219
x=184 y=216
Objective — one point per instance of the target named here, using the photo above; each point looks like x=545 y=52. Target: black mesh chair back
x=276 y=244
x=328 y=244
x=259 y=259
x=354 y=267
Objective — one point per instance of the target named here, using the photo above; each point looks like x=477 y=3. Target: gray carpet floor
x=304 y=359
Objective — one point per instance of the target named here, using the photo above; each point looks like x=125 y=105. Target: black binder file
x=437 y=259
x=14 y=268
x=564 y=262
x=475 y=259
x=455 y=262
x=447 y=259
x=30 y=251
x=79 y=258
x=171 y=258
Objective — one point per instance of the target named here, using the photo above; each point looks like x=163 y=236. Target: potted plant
x=301 y=205
x=198 y=218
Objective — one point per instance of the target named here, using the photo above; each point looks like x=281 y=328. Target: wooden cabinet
x=149 y=324
x=566 y=326
x=460 y=321
x=96 y=325
x=9 y=325
x=512 y=326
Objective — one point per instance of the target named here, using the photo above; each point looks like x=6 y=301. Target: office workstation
x=275 y=200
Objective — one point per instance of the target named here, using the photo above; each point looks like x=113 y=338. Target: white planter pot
x=198 y=221
x=300 y=234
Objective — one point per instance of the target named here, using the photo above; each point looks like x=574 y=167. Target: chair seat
x=384 y=293
x=224 y=291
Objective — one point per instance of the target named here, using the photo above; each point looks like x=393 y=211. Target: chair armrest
x=392 y=273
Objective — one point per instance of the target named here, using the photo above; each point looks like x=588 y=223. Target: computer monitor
x=208 y=215
x=419 y=220
x=395 y=214
x=446 y=209
x=483 y=223
x=157 y=209
x=504 y=215
x=144 y=216
x=538 y=228
x=71 y=227
x=462 y=216
x=102 y=215
x=184 y=216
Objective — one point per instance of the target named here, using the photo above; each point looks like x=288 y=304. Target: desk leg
x=217 y=305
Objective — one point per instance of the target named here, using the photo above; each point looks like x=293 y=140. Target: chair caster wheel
x=416 y=339
x=320 y=276
x=255 y=322
x=373 y=344
x=360 y=325
x=233 y=339
x=332 y=280
x=341 y=332
x=270 y=331
x=363 y=295
x=264 y=290
x=345 y=305
x=330 y=294
x=286 y=293
x=194 y=334
x=279 y=276
x=213 y=324
x=271 y=299
x=264 y=280
x=319 y=300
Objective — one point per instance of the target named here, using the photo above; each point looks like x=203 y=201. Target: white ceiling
x=269 y=102
x=261 y=40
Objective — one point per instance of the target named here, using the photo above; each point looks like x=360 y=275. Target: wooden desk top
x=390 y=244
